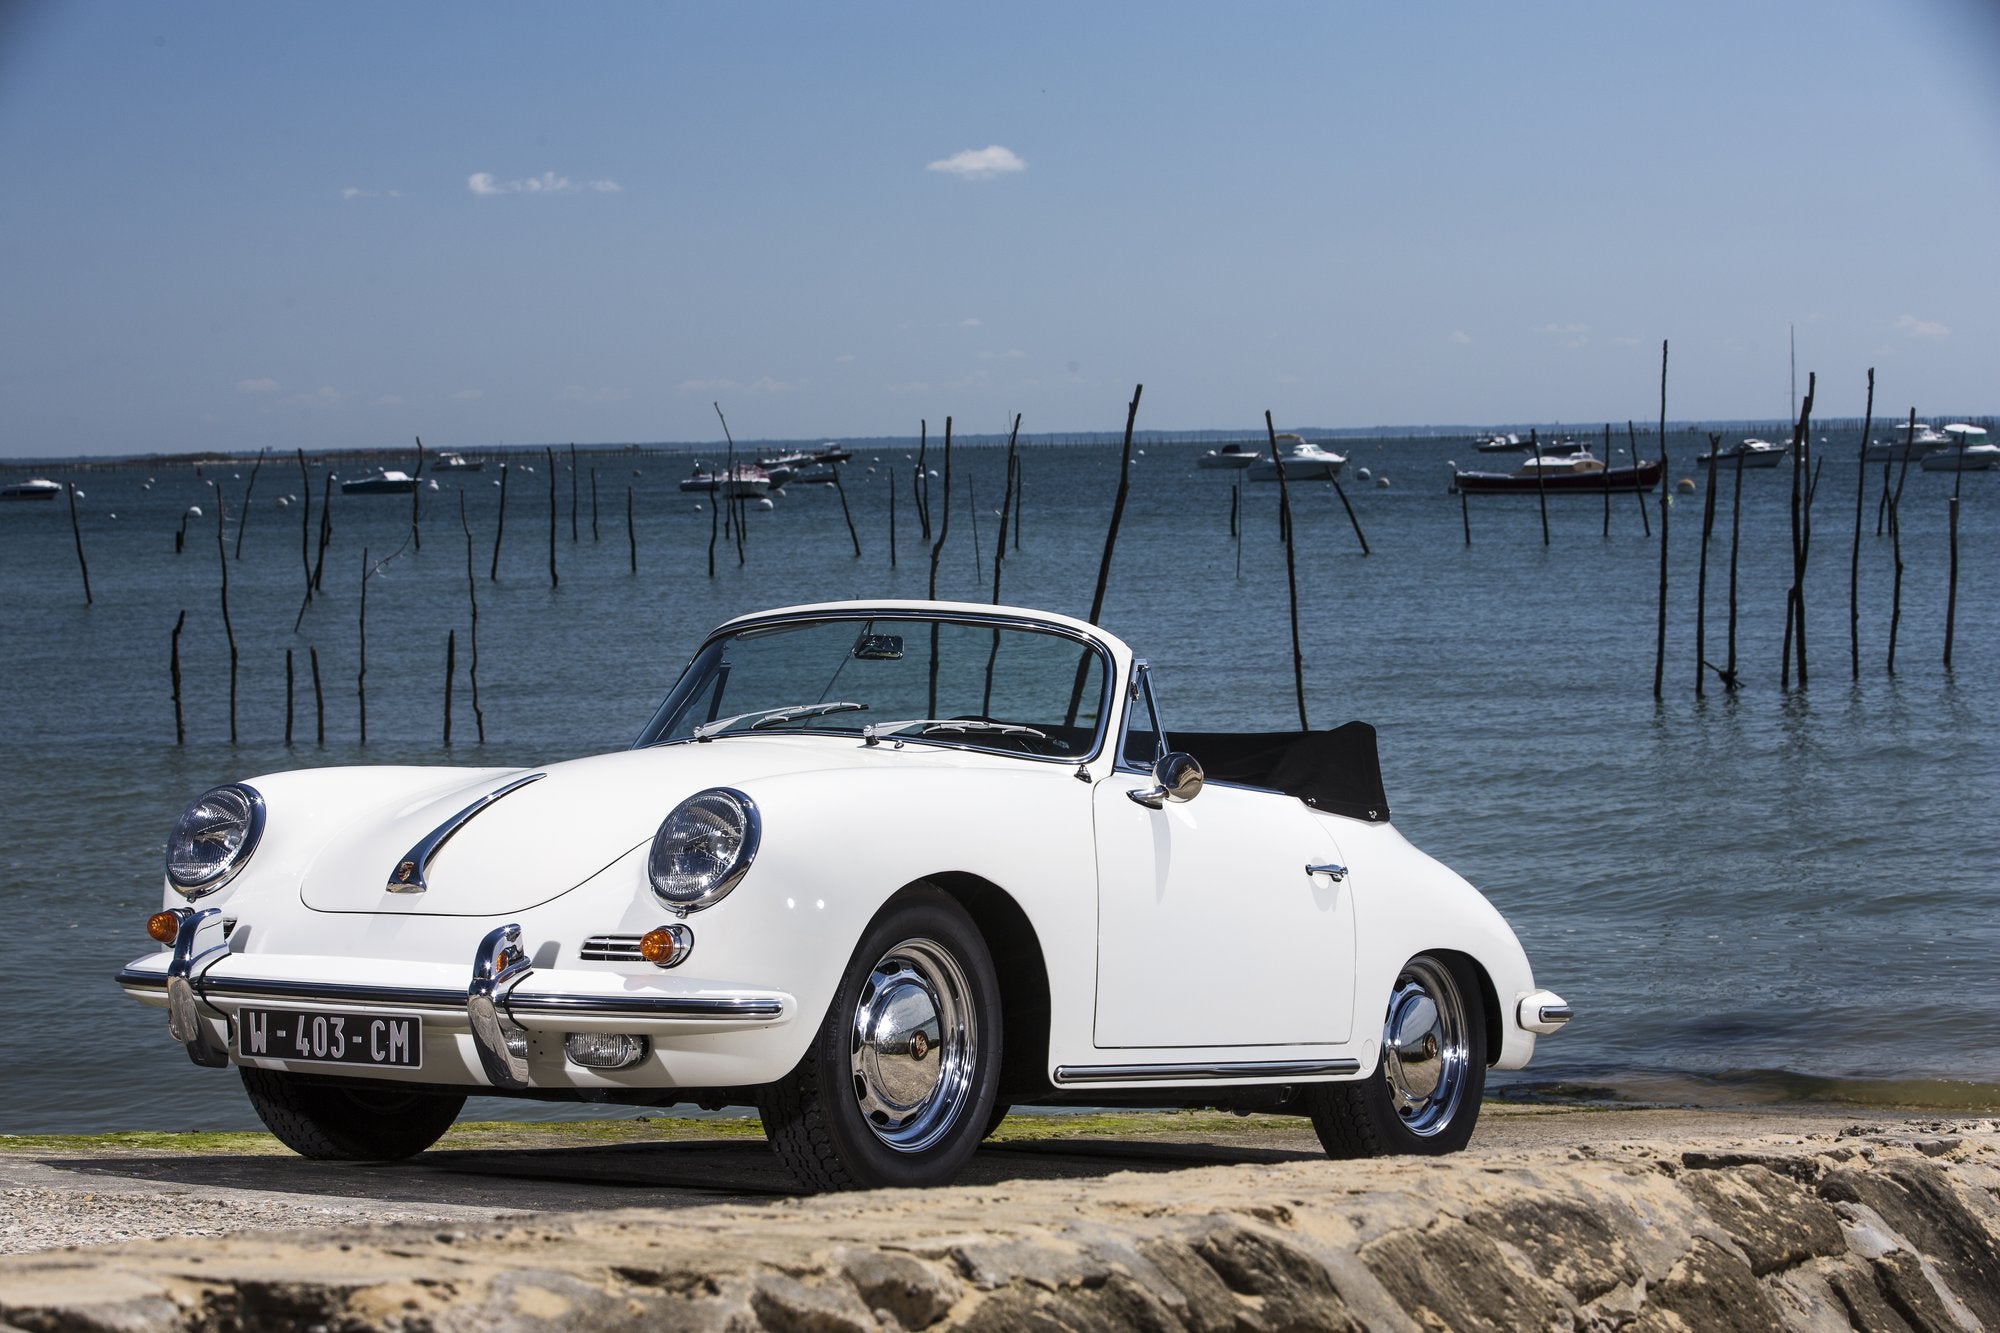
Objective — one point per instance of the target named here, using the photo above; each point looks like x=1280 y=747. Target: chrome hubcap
x=1424 y=1054
x=914 y=1037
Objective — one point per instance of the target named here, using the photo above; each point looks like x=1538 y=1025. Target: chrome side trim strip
x=408 y=876
x=650 y=1006
x=1262 y=1070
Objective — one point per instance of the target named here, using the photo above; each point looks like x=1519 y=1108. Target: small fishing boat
x=388 y=481
x=745 y=480
x=1750 y=453
x=1905 y=443
x=1231 y=456
x=447 y=461
x=1304 y=461
x=1509 y=443
x=1969 y=453
x=36 y=488
x=1579 y=471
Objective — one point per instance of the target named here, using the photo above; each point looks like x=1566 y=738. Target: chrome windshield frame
x=1106 y=707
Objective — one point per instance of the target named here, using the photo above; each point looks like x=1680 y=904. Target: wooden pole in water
x=593 y=504
x=1291 y=577
x=1801 y=505
x=1117 y=506
x=1854 y=566
x=1638 y=496
x=972 y=516
x=1020 y=498
x=174 y=666
x=228 y=630
x=499 y=527
x=472 y=598
x=572 y=493
x=1541 y=482
x=361 y=627
x=714 y=503
x=319 y=696
x=450 y=671
x=76 y=531
x=1358 y=534
x=305 y=527
x=841 y=490
x=243 y=521
x=1701 y=581
x=920 y=483
x=1896 y=587
x=631 y=532
x=1951 y=586
x=417 y=498
x=892 y=517
x=288 y=698
x=550 y=457
x=1729 y=678
x=1607 y=484
x=937 y=549
x=1666 y=499
x=1464 y=514
x=325 y=531
x=1235 y=501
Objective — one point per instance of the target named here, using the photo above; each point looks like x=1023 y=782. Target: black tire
x=339 y=1121
x=908 y=1106
x=1423 y=1097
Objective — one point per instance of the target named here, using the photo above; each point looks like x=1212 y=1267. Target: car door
x=1211 y=930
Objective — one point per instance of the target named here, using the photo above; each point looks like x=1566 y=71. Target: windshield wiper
x=946 y=726
x=774 y=717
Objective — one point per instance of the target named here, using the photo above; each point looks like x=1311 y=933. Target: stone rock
x=1777 y=1223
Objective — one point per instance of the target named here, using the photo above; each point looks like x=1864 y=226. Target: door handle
x=1331 y=871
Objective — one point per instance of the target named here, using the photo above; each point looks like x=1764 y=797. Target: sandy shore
x=1793 y=1217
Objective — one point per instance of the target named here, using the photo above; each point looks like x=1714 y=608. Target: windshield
x=895 y=679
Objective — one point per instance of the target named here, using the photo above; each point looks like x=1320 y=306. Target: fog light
x=604 y=1050
x=667 y=946
x=517 y=1041
x=164 y=926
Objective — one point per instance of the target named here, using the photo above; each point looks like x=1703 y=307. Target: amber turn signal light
x=164 y=926
x=665 y=946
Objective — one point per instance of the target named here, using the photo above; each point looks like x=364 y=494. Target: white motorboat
x=1969 y=453
x=450 y=462
x=1750 y=453
x=1903 y=443
x=1304 y=461
x=36 y=488
x=745 y=480
x=1231 y=456
x=386 y=482
x=1509 y=443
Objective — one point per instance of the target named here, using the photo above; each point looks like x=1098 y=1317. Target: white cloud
x=1460 y=336
x=468 y=395
x=1570 y=330
x=968 y=323
x=356 y=192
x=325 y=395
x=484 y=182
x=762 y=384
x=1912 y=327
x=257 y=386
x=979 y=163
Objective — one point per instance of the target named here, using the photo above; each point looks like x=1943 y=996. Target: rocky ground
x=1554 y=1219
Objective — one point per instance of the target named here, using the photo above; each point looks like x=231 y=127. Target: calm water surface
x=1759 y=894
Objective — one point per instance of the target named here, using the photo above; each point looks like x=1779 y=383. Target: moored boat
x=1906 y=443
x=745 y=480
x=1750 y=453
x=35 y=488
x=1968 y=453
x=1230 y=457
x=447 y=461
x=386 y=482
x=1580 y=471
x=1304 y=461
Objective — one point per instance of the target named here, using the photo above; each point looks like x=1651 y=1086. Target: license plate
x=387 y=1041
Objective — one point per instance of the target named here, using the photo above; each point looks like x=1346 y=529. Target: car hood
x=545 y=837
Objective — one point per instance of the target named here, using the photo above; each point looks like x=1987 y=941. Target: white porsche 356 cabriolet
x=883 y=870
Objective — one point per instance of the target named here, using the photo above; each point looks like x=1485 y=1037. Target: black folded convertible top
x=1337 y=771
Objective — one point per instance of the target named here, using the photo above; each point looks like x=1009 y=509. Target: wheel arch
x=1019 y=967
x=1489 y=998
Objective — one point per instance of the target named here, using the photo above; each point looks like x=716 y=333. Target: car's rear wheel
x=899 y=1083
x=340 y=1121
x=1424 y=1094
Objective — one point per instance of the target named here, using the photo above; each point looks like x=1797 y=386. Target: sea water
x=1761 y=894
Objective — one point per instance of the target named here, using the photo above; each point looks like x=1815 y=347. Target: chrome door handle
x=1330 y=870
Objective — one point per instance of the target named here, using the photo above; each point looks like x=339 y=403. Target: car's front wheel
x=1424 y=1094
x=340 y=1121
x=900 y=1081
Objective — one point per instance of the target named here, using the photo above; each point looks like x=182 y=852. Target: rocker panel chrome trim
x=1262 y=1070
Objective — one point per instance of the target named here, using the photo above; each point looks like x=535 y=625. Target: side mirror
x=1178 y=777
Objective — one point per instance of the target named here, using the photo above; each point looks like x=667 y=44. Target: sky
x=235 y=225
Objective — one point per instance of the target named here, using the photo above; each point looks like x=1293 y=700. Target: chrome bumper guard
x=1543 y=1012
x=497 y=1013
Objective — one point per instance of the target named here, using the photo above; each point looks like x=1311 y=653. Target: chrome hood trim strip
x=408 y=876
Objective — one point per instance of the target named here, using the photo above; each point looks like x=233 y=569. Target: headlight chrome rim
x=220 y=873
x=684 y=893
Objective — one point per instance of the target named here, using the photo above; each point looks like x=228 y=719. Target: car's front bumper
x=698 y=1034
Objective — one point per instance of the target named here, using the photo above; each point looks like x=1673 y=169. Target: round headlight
x=213 y=838
x=703 y=848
